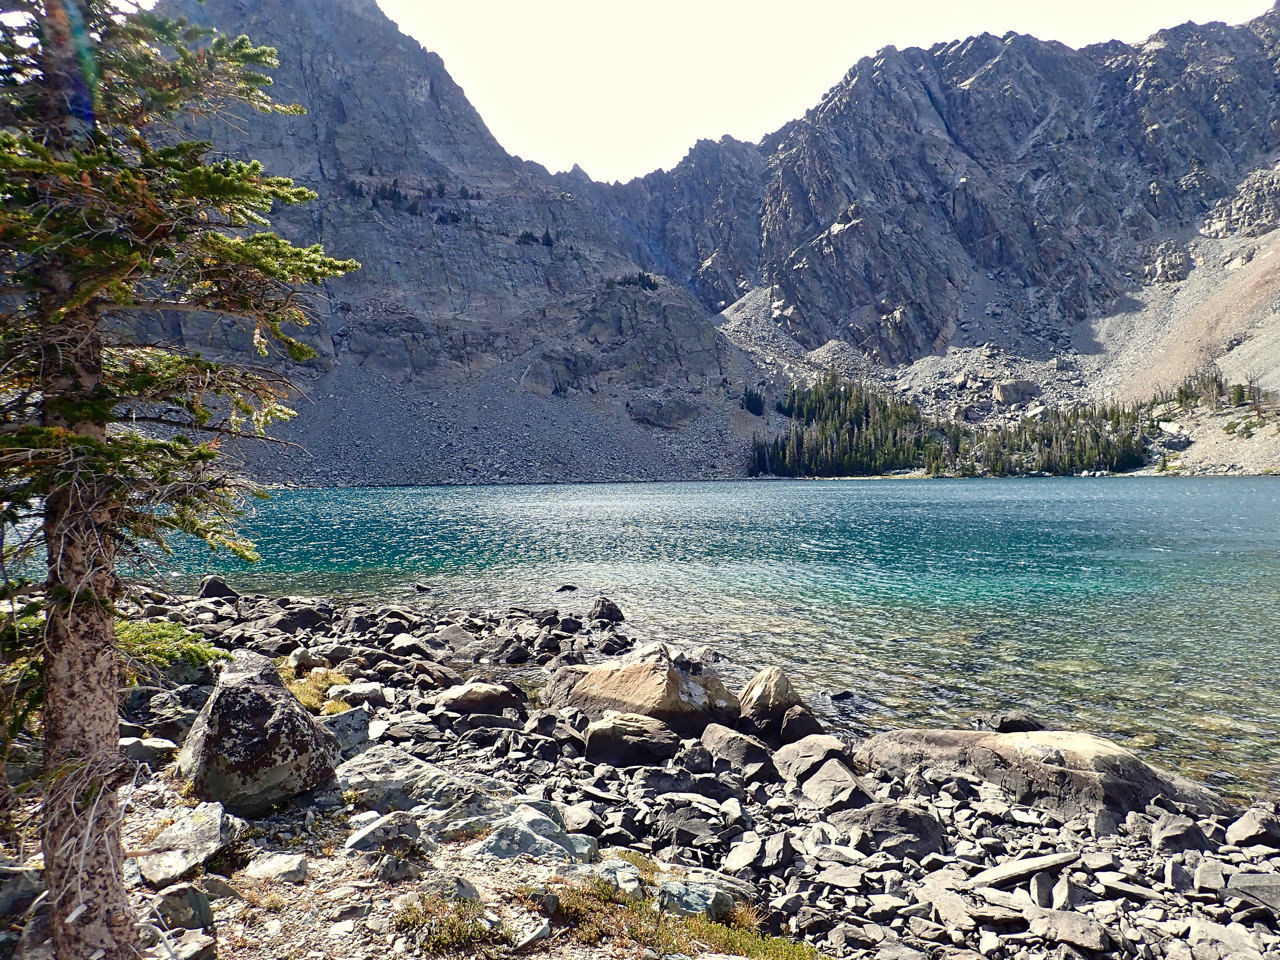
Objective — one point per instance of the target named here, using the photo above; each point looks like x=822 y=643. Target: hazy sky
x=625 y=88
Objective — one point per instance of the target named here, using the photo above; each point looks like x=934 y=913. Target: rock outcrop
x=1071 y=773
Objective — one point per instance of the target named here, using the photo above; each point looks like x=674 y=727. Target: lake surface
x=1145 y=609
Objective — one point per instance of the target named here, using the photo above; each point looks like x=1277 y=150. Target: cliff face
x=487 y=289
x=510 y=324
x=1023 y=172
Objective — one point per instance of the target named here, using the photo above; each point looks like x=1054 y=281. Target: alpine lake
x=1142 y=609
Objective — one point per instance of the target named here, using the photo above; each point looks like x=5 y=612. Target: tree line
x=843 y=428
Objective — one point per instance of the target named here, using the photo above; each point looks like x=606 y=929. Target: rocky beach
x=353 y=779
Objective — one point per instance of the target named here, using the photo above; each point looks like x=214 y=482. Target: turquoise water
x=1143 y=609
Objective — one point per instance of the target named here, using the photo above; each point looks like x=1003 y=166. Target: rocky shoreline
x=538 y=783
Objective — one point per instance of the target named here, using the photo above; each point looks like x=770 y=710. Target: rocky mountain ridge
x=975 y=212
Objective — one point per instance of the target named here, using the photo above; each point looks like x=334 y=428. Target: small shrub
x=151 y=648
x=455 y=927
x=595 y=912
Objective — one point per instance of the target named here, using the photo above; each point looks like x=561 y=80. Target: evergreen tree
x=107 y=213
x=856 y=429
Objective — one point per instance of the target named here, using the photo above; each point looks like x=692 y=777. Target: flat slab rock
x=1070 y=773
x=1015 y=871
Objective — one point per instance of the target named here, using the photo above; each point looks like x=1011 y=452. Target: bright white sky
x=624 y=88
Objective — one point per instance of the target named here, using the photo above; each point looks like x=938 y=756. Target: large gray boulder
x=1069 y=773
x=898 y=829
x=254 y=745
x=630 y=740
x=739 y=752
x=386 y=778
x=654 y=681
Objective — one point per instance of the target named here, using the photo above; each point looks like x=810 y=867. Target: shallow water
x=1140 y=608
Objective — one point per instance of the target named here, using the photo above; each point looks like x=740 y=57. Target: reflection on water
x=1144 y=609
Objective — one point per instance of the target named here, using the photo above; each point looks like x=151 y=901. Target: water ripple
x=1144 y=609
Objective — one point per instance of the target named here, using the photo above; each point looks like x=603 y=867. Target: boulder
x=1069 y=927
x=191 y=945
x=1009 y=392
x=757 y=854
x=605 y=609
x=764 y=702
x=188 y=842
x=833 y=786
x=351 y=727
x=1256 y=826
x=454 y=636
x=895 y=828
x=797 y=760
x=479 y=698
x=682 y=898
x=744 y=754
x=363 y=693
x=1072 y=774
x=386 y=778
x=397 y=832
x=254 y=745
x=1011 y=721
x=183 y=907
x=155 y=752
x=1174 y=833
x=683 y=693
x=213 y=586
x=290 y=867
x=798 y=723
x=1260 y=888
x=528 y=832
x=630 y=740
x=302 y=660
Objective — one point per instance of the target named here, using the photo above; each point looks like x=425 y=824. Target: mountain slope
x=943 y=219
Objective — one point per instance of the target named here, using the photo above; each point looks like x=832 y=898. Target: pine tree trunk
x=90 y=913
x=84 y=858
